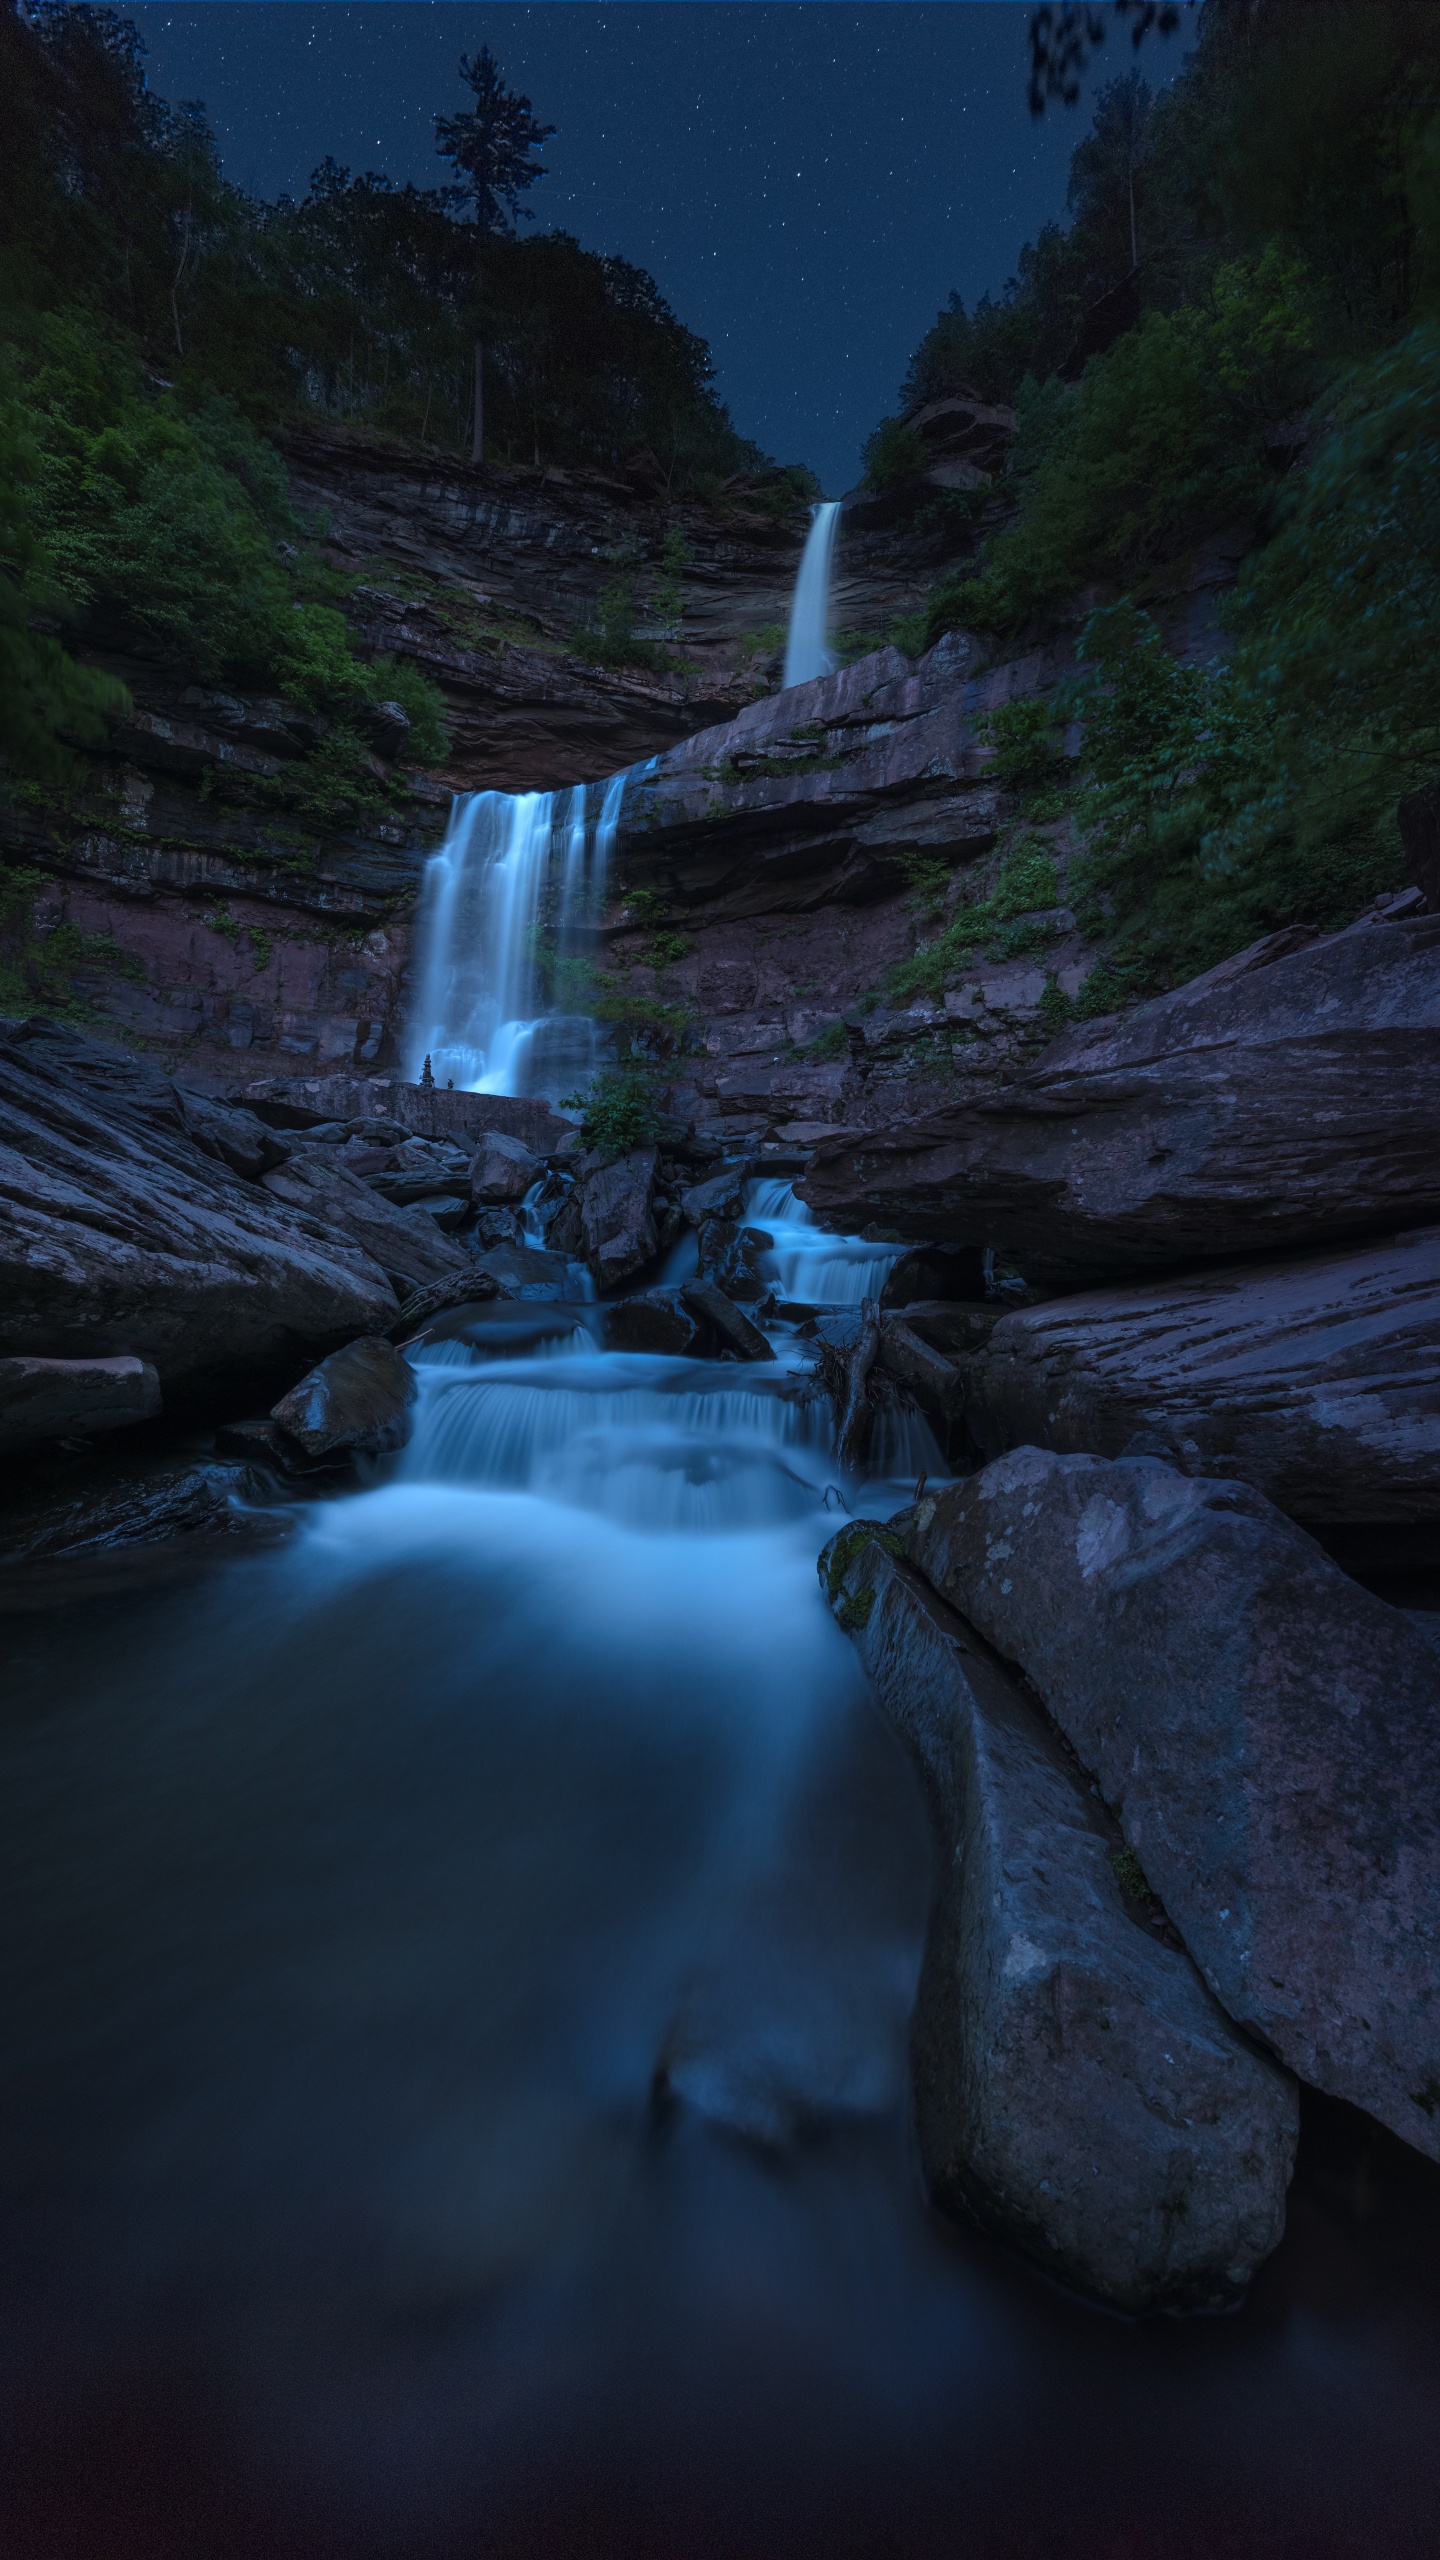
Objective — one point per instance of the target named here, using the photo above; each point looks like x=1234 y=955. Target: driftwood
x=853 y=1437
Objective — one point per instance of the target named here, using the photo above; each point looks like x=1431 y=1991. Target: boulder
x=1077 y=2090
x=723 y=1196
x=935 y=1271
x=462 y=1289
x=355 y=1404
x=659 y=1321
x=523 y=1271
x=925 y=1344
x=229 y=1133
x=1267 y=1732
x=134 y=1503
x=502 y=1169
x=731 y=1256
x=1317 y=1380
x=53 y=1399
x=120 y=1236
x=1289 y=1098
x=735 y=1330
x=404 y=1242
x=616 y=1216
x=417 y=1169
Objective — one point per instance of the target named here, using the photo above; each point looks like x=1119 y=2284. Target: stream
x=458 y=1976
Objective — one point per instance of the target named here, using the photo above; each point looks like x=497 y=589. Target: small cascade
x=807 y=653
x=514 y=867
x=808 y=1264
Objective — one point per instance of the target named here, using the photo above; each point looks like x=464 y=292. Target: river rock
x=1316 y=1380
x=458 y=1290
x=53 y=1399
x=616 y=1216
x=524 y=1271
x=1077 y=2089
x=502 y=1169
x=121 y=1237
x=734 y=1328
x=1288 y=1098
x=723 y=1196
x=1267 y=1732
x=355 y=1404
x=731 y=1257
x=113 y=1505
x=925 y=1344
x=404 y=1242
x=658 y=1321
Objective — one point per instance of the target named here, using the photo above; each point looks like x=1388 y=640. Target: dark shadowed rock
x=723 y=1196
x=734 y=1329
x=502 y=1169
x=1317 y=1380
x=925 y=1345
x=119 y=1236
x=355 y=1404
x=406 y=1244
x=130 y=1503
x=230 y=1133
x=1077 y=2090
x=731 y=1257
x=1288 y=1098
x=53 y=1399
x=1267 y=1732
x=659 y=1320
x=419 y=1169
x=616 y=1217
x=459 y=1290
x=933 y=1271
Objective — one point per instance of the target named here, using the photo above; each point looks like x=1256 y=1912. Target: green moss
x=1131 y=1876
x=856 y=1610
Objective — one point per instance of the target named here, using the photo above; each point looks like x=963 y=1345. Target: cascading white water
x=511 y=865
x=808 y=1264
x=807 y=651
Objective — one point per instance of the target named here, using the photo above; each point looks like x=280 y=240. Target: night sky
x=806 y=181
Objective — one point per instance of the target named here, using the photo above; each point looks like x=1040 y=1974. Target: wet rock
x=934 y=1271
x=723 y=1196
x=404 y=1242
x=616 y=1217
x=447 y=1214
x=1077 y=2090
x=54 y=1399
x=523 y=1271
x=120 y=1236
x=231 y=1134
x=660 y=1321
x=133 y=1503
x=355 y=1404
x=260 y=1441
x=1290 y=1097
x=925 y=1344
x=731 y=1257
x=734 y=1329
x=1267 y=1732
x=469 y=1288
x=512 y=1329
x=502 y=1169
x=493 y=1227
x=1318 y=1381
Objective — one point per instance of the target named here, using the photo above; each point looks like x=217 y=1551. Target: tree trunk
x=854 y=1433
x=477 y=440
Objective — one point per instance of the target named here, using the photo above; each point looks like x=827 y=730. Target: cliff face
x=191 y=902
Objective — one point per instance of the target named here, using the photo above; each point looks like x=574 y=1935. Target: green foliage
x=1011 y=920
x=1022 y=736
x=1055 y=1006
x=833 y=1042
x=893 y=455
x=621 y=1109
x=1165 y=438
x=45 y=698
x=665 y=950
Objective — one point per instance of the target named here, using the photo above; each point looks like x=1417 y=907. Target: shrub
x=620 y=1109
x=893 y=455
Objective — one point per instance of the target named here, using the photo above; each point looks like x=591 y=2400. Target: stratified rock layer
x=1076 y=2088
x=1316 y=1380
x=1281 y=1100
x=120 y=1236
x=1267 y=1732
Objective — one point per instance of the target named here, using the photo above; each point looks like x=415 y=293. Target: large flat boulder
x=120 y=1236
x=408 y=1246
x=1289 y=1098
x=1077 y=2089
x=1316 y=1380
x=1267 y=1733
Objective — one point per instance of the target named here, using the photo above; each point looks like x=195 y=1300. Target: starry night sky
x=806 y=181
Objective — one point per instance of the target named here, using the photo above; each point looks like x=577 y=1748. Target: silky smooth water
x=807 y=646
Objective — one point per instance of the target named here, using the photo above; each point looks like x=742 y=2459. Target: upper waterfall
x=806 y=652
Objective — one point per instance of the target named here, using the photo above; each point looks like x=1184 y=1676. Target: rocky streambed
x=481 y=1959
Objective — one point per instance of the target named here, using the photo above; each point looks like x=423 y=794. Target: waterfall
x=806 y=652
x=515 y=870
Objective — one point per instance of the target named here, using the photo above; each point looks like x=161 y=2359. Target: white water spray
x=512 y=865
x=807 y=654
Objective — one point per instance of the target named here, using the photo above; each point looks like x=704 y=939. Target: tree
x=1102 y=172
x=489 y=147
x=1064 y=33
